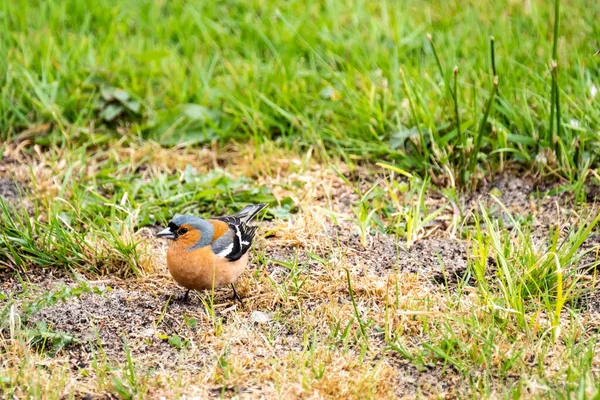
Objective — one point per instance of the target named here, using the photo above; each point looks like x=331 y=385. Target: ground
x=431 y=171
x=393 y=327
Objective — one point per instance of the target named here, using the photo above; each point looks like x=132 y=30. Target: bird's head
x=192 y=232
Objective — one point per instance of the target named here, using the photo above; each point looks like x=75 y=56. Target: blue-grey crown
x=191 y=220
x=206 y=229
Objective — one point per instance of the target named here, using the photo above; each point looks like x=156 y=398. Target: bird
x=209 y=253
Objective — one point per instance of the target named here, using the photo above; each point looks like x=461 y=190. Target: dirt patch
x=10 y=190
x=123 y=313
x=37 y=278
x=528 y=197
x=384 y=253
x=429 y=383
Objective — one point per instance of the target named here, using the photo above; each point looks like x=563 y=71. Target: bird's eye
x=182 y=231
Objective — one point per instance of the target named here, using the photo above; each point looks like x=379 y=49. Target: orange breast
x=202 y=269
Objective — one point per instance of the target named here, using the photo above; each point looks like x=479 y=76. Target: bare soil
x=9 y=189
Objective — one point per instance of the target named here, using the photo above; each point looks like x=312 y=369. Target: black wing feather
x=242 y=241
x=244 y=234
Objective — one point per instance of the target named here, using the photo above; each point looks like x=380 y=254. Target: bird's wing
x=234 y=243
x=245 y=215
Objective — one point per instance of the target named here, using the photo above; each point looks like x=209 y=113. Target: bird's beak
x=166 y=234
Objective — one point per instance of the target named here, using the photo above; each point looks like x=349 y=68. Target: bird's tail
x=249 y=212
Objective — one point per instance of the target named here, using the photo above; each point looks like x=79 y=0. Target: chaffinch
x=211 y=253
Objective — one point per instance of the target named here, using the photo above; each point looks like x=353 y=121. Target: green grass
x=346 y=78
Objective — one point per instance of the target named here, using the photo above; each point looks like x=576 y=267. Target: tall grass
x=321 y=75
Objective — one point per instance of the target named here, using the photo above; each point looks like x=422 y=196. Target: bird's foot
x=236 y=296
x=181 y=299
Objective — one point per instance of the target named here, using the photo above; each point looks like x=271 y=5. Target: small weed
x=190 y=322
x=127 y=384
x=176 y=342
x=357 y=315
x=297 y=276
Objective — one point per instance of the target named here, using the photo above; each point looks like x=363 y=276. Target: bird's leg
x=236 y=296
x=179 y=299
